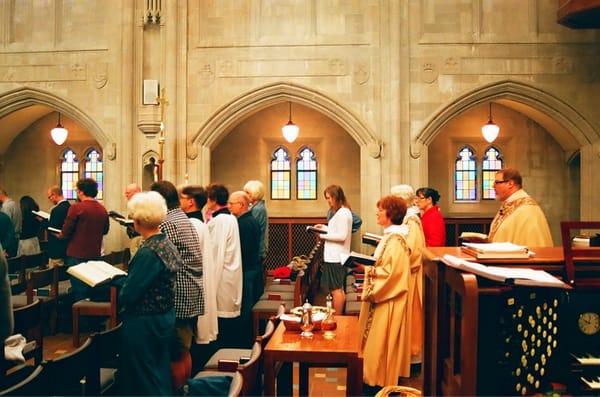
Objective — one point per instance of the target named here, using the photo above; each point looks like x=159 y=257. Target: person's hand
x=319 y=226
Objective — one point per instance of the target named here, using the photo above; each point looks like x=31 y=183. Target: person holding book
x=148 y=300
x=386 y=314
x=29 y=244
x=432 y=219
x=337 y=241
x=85 y=225
x=520 y=220
x=57 y=248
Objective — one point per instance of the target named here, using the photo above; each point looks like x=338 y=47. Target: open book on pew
x=120 y=218
x=356 y=257
x=94 y=273
x=42 y=214
x=314 y=229
x=371 y=239
x=508 y=275
x=503 y=250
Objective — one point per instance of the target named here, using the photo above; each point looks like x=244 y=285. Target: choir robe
x=207 y=327
x=520 y=220
x=225 y=236
x=384 y=320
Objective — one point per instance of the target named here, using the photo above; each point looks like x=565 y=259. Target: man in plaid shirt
x=189 y=290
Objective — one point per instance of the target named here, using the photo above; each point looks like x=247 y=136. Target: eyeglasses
x=497 y=182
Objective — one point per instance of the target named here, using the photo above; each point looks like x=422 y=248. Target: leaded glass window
x=69 y=174
x=93 y=169
x=306 y=174
x=492 y=163
x=465 y=175
x=280 y=175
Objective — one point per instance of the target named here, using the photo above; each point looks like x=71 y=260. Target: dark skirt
x=333 y=276
x=145 y=359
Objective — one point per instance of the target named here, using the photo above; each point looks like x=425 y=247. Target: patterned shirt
x=189 y=293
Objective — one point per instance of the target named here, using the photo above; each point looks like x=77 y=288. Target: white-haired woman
x=256 y=191
x=148 y=298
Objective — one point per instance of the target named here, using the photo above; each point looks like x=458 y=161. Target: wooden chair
x=36 y=384
x=68 y=372
x=106 y=345
x=36 y=261
x=248 y=366
x=16 y=275
x=42 y=285
x=28 y=322
x=586 y=273
x=90 y=308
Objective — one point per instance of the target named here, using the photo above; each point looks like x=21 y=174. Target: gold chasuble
x=520 y=220
x=385 y=315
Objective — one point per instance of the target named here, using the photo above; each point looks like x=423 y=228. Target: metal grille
x=288 y=238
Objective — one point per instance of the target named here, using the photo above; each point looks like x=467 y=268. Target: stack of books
x=496 y=250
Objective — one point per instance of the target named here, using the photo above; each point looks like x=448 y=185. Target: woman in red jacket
x=434 y=226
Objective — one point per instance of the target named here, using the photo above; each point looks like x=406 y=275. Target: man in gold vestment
x=520 y=220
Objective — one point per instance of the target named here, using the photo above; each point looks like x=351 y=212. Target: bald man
x=252 y=284
x=57 y=247
x=131 y=190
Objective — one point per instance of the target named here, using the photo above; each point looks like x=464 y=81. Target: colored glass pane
x=465 y=176
x=93 y=169
x=492 y=163
x=280 y=175
x=69 y=174
x=306 y=175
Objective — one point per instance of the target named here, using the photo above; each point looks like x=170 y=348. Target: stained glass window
x=306 y=175
x=465 y=175
x=93 y=169
x=492 y=163
x=69 y=174
x=280 y=175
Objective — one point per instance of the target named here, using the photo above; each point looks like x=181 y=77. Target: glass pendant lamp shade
x=59 y=133
x=290 y=130
x=490 y=130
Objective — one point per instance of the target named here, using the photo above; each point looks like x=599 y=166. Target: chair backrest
x=68 y=371
x=269 y=329
x=28 y=322
x=36 y=384
x=250 y=370
x=572 y=254
x=37 y=279
x=16 y=275
x=106 y=347
x=235 y=388
x=36 y=261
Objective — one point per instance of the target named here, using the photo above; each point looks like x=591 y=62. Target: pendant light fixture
x=59 y=133
x=490 y=130
x=290 y=130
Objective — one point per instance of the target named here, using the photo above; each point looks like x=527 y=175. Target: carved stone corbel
x=110 y=151
x=415 y=148
x=374 y=149
x=192 y=150
x=149 y=119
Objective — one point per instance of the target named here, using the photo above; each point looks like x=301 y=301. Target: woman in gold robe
x=385 y=315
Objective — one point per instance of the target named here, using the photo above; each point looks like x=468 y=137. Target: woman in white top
x=337 y=241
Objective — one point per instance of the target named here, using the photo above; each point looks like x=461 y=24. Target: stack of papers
x=496 y=250
x=508 y=275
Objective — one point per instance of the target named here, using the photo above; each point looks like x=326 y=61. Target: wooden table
x=288 y=346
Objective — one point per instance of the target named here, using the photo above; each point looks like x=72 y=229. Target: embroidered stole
x=505 y=211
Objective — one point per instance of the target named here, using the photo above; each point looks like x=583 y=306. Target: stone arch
x=235 y=111
x=571 y=121
x=22 y=97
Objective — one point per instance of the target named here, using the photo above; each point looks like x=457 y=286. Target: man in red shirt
x=84 y=227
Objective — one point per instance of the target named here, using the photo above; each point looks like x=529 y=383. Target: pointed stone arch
x=22 y=97
x=222 y=121
x=570 y=120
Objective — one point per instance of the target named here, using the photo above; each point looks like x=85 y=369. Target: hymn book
x=371 y=239
x=120 y=218
x=314 y=229
x=503 y=250
x=42 y=214
x=474 y=237
x=508 y=275
x=94 y=273
x=54 y=230
x=349 y=260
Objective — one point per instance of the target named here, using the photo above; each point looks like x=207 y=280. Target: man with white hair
x=10 y=208
x=256 y=192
